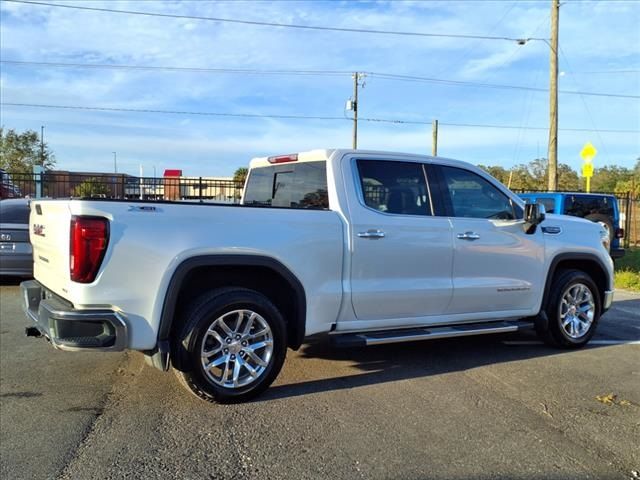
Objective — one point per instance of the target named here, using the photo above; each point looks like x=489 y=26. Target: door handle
x=468 y=236
x=371 y=234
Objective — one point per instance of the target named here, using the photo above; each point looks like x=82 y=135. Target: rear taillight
x=619 y=232
x=89 y=239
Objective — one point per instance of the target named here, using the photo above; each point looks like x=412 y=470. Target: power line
x=296 y=117
x=269 y=24
x=174 y=112
x=468 y=51
x=605 y=72
x=250 y=71
x=493 y=85
x=380 y=75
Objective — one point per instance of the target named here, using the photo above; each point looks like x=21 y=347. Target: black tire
x=187 y=344
x=606 y=222
x=555 y=334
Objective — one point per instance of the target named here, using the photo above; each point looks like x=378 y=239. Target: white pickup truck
x=368 y=247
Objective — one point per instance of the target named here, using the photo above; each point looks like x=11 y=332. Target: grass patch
x=628 y=270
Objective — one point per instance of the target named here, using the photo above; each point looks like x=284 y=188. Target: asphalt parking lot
x=484 y=408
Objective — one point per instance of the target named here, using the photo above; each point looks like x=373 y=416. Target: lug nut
x=244 y=344
x=233 y=357
x=226 y=350
x=237 y=337
x=228 y=340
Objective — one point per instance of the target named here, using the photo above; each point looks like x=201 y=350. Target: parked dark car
x=16 y=255
x=597 y=207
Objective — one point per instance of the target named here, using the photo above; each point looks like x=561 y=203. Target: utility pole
x=553 y=98
x=42 y=145
x=352 y=104
x=434 y=138
x=354 y=142
x=115 y=164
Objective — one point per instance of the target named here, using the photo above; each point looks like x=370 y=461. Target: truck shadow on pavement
x=403 y=361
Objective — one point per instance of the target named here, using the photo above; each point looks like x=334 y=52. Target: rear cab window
x=290 y=185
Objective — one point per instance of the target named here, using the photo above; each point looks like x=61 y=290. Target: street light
x=42 y=145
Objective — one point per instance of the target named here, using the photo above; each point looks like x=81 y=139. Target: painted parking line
x=592 y=342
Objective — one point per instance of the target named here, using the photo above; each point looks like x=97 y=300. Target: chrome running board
x=426 y=333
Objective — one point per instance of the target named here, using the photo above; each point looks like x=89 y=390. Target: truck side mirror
x=534 y=214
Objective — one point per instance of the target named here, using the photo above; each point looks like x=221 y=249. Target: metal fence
x=121 y=186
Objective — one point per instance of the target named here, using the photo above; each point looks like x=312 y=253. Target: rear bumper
x=71 y=329
x=617 y=253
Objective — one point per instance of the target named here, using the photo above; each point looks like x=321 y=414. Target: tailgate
x=49 y=233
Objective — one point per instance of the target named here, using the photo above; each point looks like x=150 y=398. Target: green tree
x=533 y=175
x=607 y=178
x=632 y=183
x=19 y=152
x=522 y=179
x=499 y=173
x=240 y=175
x=92 y=187
x=568 y=179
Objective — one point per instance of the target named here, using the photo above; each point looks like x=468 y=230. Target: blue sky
x=595 y=36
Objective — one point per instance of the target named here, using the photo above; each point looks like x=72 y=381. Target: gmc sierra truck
x=367 y=247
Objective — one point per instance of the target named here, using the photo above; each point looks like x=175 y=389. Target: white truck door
x=497 y=267
x=401 y=257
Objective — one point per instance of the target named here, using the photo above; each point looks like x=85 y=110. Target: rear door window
x=394 y=187
x=291 y=185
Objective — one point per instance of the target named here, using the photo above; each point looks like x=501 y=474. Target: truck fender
x=181 y=272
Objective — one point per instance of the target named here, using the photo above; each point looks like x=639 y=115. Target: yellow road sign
x=588 y=152
x=587 y=170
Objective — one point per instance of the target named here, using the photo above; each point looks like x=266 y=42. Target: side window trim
x=441 y=201
x=426 y=180
x=360 y=191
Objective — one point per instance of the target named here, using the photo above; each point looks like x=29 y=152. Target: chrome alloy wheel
x=577 y=310
x=236 y=349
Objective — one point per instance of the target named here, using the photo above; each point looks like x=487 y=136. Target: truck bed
x=149 y=239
